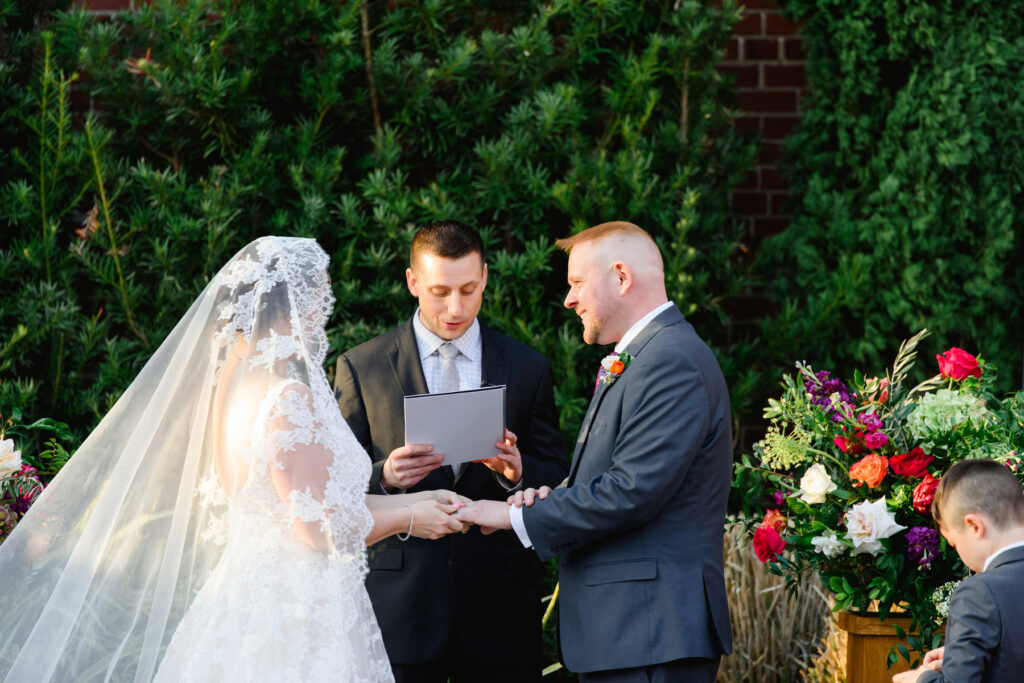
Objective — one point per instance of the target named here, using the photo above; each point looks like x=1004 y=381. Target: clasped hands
x=442 y=512
x=932 y=662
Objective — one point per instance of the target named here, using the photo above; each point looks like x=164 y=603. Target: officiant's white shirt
x=515 y=514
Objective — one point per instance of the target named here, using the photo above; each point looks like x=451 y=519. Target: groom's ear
x=624 y=276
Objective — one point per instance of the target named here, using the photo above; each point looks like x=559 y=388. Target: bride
x=214 y=525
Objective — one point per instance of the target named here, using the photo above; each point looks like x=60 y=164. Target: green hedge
x=217 y=121
x=907 y=172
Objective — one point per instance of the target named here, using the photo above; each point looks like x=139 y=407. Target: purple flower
x=870 y=421
x=780 y=498
x=821 y=394
x=922 y=546
x=27 y=490
x=875 y=440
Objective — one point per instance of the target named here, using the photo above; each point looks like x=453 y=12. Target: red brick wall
x=766 y=56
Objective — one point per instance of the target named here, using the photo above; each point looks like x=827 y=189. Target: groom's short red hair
x=603 y=230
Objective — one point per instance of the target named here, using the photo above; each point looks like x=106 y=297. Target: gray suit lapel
x=581 y=440
x=669 y=316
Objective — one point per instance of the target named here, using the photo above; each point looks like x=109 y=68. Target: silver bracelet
x=409 y=532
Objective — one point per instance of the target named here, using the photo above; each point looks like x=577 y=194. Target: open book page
x=463 y=425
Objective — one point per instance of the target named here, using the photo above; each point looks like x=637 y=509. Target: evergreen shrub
x=213 y=122
x=907 y=174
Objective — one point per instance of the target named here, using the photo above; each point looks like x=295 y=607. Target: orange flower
x=773 y=519
x=617 y=367
x=870 y=470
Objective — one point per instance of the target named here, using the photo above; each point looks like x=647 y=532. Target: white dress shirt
x=999 y=552
x=515 y=514
x=469 y=362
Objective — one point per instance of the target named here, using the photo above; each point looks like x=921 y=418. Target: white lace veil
x=231 y=424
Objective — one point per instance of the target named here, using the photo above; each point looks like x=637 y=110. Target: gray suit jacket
x=639 y=528
x=985 y=629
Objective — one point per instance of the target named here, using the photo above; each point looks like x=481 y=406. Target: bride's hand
x=449 y=497
x=433 y=519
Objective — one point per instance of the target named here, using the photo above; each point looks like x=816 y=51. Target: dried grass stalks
x=776 y=638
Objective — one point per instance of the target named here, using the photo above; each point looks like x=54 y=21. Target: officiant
x=464 y=608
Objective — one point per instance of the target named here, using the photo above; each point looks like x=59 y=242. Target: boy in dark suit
x=979 y=508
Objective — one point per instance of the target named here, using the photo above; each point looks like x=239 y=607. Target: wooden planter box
x=868 y=641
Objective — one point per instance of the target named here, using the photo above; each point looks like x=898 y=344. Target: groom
x=638 y=524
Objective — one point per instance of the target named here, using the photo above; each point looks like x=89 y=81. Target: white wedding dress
x=212 y=529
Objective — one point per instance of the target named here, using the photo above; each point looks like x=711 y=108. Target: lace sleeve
x=315 y=473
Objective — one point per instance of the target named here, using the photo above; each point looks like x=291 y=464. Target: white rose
x=607 y=361
x=10 y=459
x=828 y=544
x=868 y=522
x=815 y=484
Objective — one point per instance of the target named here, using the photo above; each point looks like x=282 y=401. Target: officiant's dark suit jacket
x=639 y=526
x=487 y=587
x=985 y=629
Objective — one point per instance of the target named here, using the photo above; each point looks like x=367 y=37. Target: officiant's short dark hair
x=447 y=239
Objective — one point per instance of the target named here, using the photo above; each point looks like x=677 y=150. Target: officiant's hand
x=407 y=465
x=508 y=462
x=521 y=498
x=489 y=515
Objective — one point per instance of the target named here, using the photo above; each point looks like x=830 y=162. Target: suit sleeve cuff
x=515 y=515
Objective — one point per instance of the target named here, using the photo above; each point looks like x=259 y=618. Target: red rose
x=924 y=492
x=913 y=464
x=869 y=470
x=773 y=519
x=767 y=543
x=958 y=364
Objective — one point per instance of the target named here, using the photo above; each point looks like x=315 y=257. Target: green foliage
x=908 y=170
x=217 y=121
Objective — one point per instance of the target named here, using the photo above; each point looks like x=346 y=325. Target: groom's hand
x=489 y=515
x=521 y=498
x=407 y=465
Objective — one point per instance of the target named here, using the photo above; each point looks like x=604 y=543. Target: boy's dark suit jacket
x=487 y=586
x=985 y=629
x=639 y=527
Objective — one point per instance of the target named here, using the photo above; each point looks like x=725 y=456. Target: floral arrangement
x=22 y=481
x=843 y=480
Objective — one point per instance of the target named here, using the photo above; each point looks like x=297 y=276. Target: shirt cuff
x=515 y=515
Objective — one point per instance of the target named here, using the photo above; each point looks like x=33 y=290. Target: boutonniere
x=613 y=365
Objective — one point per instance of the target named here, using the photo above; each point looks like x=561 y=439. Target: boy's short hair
x=447 y=239
x=985 y=487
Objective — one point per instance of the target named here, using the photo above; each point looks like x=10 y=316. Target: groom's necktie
x=449 y=373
